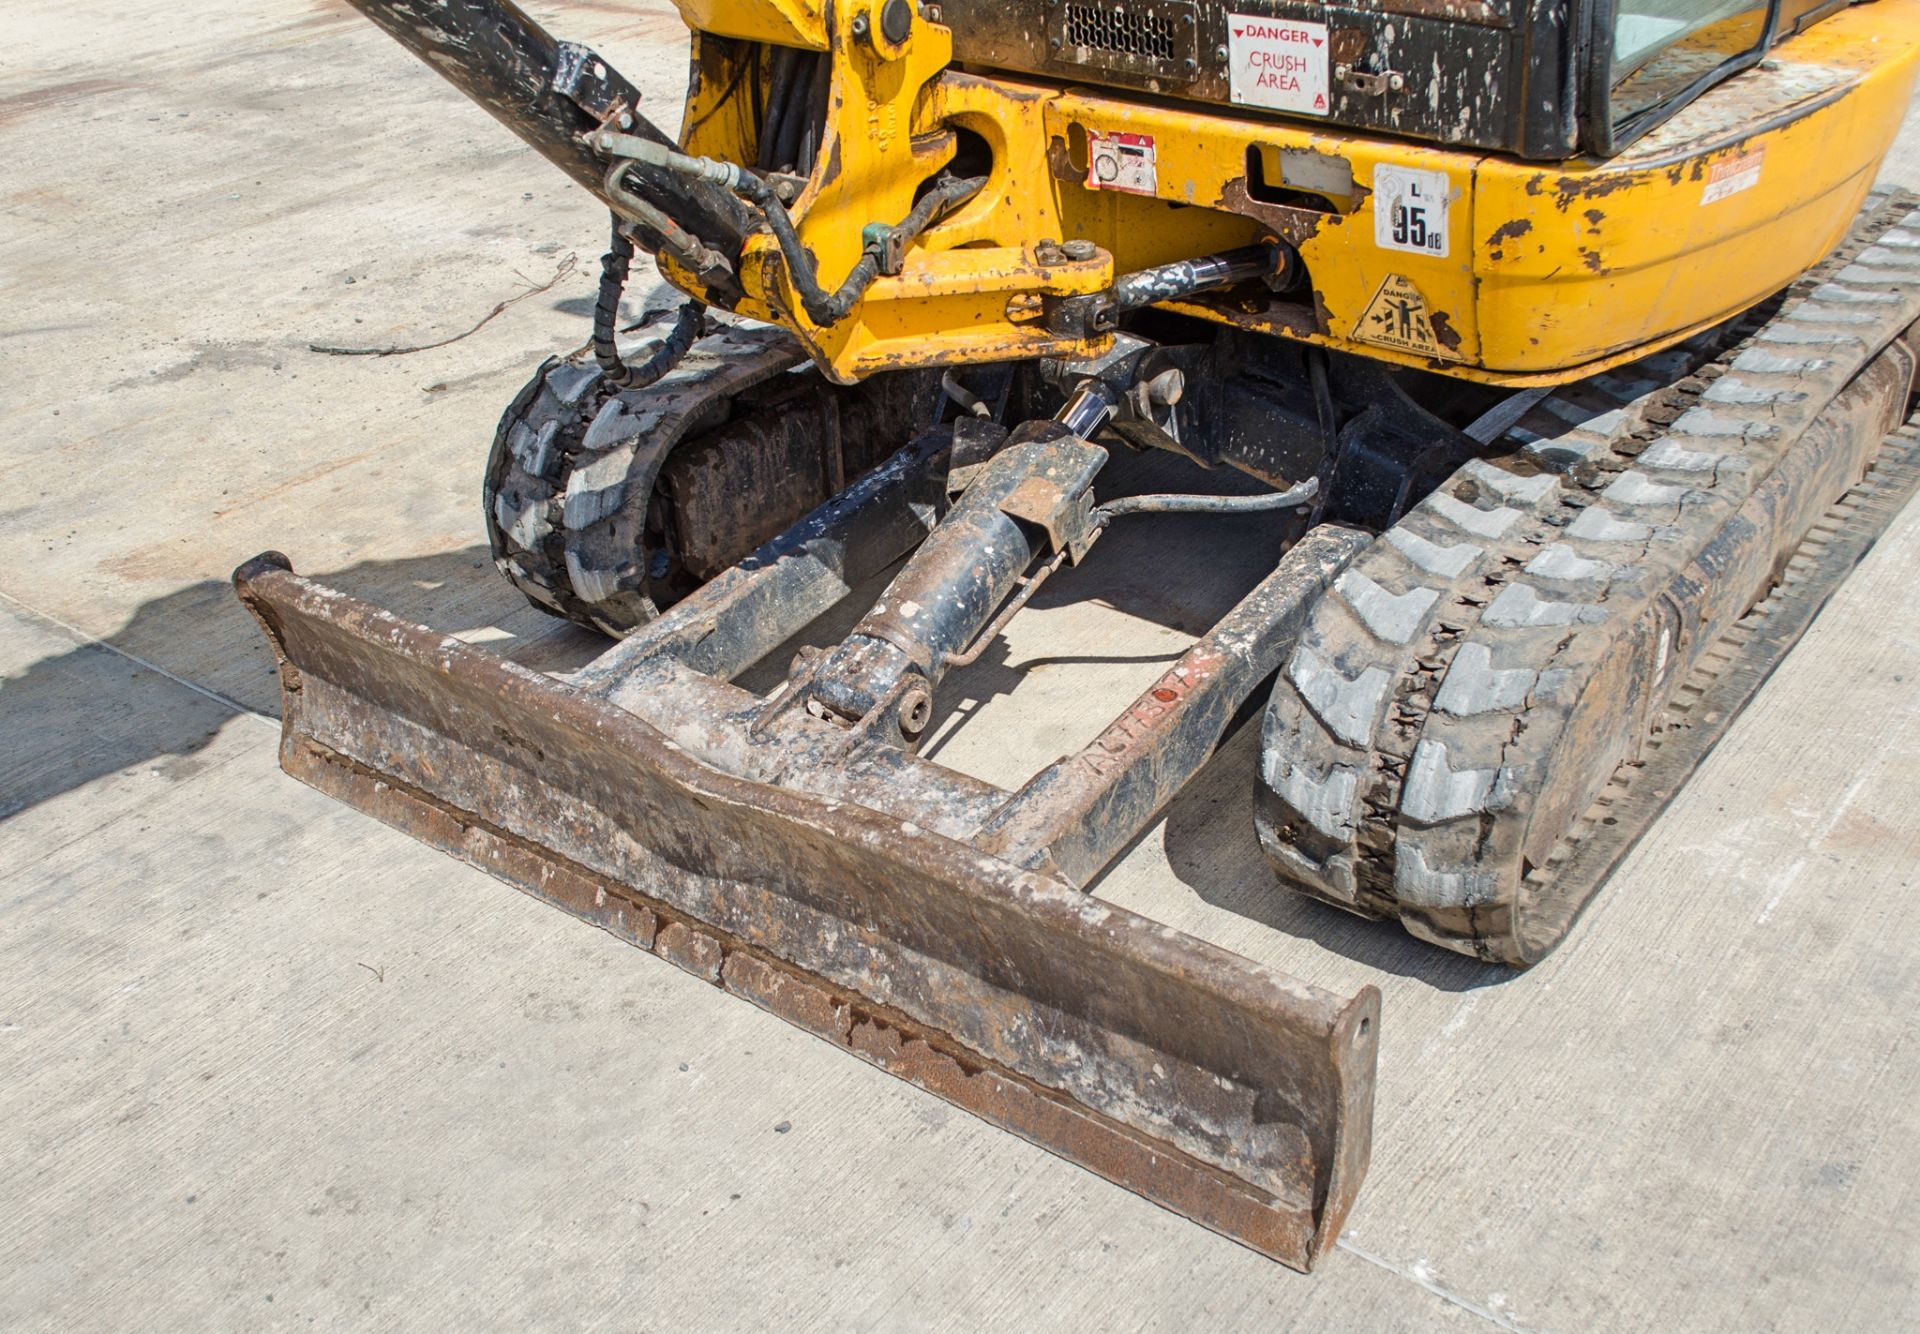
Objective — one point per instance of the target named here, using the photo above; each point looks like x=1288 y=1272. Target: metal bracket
x=1368 y=83
x=1115 y=368
x=887 y=246
x=590 y=83
x=1063 y=513
x=975 y=441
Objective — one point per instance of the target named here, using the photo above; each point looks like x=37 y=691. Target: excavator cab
x=1650 y=58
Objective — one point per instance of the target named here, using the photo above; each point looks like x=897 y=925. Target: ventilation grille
x=1124 y=32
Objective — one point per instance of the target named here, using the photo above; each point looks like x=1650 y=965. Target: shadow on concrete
x=1212 y=849
x=94 y=709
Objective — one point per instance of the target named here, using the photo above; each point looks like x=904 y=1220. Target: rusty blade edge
x=878 y=1035
x=928 y=1056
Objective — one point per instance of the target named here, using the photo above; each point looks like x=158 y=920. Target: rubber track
x=1478 y=675
x=573 y=467
x=1722 y=683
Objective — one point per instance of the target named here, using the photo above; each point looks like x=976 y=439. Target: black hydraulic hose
x=813 y=119
x=779 y=102
x=793 y=126
x=666 y=354
x=825 y=308
x=1291 y=498
x=822 y=307
x=756 y=92
x=669 y=351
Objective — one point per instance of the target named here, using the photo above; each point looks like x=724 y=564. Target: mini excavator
x=1564 y=345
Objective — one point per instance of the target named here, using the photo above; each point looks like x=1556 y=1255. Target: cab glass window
x=1662 y=48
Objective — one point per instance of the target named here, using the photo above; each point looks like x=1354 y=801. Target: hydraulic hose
x=779 y=106
x=674 y=239
x=823 y=308
x=1291 y=498
x=666 y=354
x=794 y=127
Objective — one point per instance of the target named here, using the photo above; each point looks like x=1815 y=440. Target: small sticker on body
x=1117 y=161
x=1410 y=210
x=1280 y=64
x=1397 y=318
x=1729 y=176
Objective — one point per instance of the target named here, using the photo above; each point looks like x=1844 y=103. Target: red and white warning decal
x=1117 y=161
x=1280 y=64
x=1731 y=175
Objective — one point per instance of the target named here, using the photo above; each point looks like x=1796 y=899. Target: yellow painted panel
x=781 y=22
x=1529 y=273
x=1686 y=227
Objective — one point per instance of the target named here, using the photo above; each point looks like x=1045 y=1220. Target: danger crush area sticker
x=1280 y=64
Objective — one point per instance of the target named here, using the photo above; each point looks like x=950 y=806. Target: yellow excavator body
x=1532 y=273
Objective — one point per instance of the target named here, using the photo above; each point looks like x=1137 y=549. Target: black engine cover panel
x=1492 y=74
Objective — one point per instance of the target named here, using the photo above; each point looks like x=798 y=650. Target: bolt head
x=860 y=25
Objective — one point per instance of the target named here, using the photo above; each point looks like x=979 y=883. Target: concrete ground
x=265 y=1063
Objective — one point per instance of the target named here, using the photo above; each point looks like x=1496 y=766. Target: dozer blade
x=1222 y=1090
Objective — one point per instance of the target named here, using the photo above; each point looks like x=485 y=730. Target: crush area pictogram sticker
x=1397 y=318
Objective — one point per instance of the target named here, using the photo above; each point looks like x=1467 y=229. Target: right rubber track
x=1478 y=675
